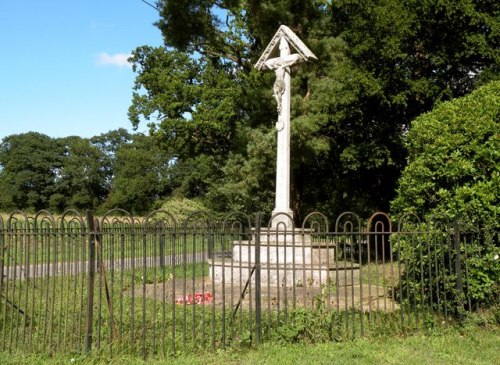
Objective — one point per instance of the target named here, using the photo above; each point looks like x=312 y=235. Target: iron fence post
x=458 y=268
x=162 y=249
x=258 y=300
x=91 y=280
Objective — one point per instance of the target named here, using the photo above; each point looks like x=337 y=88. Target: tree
x=422 y=52
x=392 y=68
x=380 y=64
x=241 y=188
x=108 y=143
x=30 y=165
x=196 y=105
x=453 y=173
x=83 y=179
x=140 y=176
x=39 y=172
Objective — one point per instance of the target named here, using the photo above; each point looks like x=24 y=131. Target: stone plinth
x=285 y=259
x=285 y=275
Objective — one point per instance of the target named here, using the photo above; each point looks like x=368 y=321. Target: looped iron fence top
x=154 y=285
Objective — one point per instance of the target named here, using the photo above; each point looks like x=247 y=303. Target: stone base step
x=297 y=236
x=305 y=254
x=285 y=275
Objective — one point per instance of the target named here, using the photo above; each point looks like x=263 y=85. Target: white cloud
x=118 y=60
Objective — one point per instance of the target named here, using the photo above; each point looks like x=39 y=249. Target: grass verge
x=466 y=346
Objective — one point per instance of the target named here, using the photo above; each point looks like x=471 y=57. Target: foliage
x=432 y=280
x=242 y=189
x=30 y=164
x=111 y=141
x=84 y=175
x=140 y=176
x=453 y=173
x=428 y=278
x=457 y=347
x=454 y=161
x=180 y=208
x=319 y=324
x=211 y=115
x=38 y=172
x=380 y=64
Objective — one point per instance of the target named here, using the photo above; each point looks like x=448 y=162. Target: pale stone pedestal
x=286 y=259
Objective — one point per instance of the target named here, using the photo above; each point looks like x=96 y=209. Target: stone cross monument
x=278 y=57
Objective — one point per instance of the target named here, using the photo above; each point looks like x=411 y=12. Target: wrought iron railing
x=156 y=286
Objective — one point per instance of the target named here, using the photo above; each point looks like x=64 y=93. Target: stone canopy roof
x=272 y=49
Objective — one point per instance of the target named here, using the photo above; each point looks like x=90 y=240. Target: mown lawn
x=470 y=346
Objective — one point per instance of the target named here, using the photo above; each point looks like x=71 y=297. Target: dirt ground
x=365 y=297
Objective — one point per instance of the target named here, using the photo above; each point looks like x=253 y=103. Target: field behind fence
x=149 y=286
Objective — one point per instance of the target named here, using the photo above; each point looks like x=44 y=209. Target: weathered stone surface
x=228 y=272
x=278 y=57
x=285 y=259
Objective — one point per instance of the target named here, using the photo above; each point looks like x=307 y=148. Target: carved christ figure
x=281 y=66
x=279 y=85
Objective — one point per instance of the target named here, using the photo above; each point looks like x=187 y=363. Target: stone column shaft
x=282 y=198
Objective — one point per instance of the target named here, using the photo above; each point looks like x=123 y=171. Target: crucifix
x=278 y=57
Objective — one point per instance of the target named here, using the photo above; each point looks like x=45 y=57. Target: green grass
x=332 y=333
x=471 y=346
x=56 y=318
x=50 y=313
x=381 y=274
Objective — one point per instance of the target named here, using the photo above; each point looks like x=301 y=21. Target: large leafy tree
x=30 y=165
x=40 y=172
x=380 y=64
x=140 y=176
x=195 y=113
x=83 y=180
x=110 y=141
x=399 y=59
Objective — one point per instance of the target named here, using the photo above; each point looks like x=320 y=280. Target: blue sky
x=62 y=64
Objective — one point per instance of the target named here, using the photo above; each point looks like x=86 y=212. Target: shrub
x=182 y=208
x=453 y=172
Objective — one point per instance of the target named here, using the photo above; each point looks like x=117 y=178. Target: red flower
x=197 y=298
